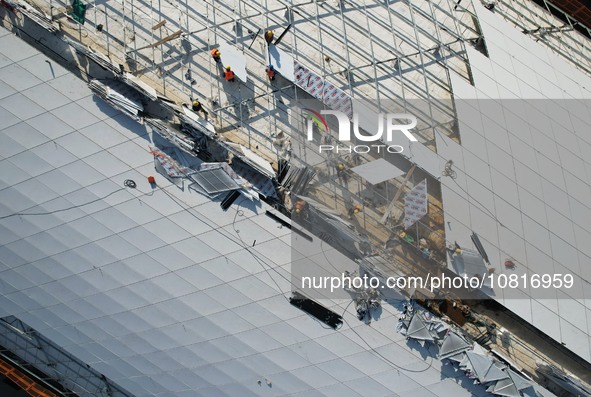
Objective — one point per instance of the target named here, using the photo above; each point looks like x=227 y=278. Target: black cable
x=61 y=209
x=346 y=308
x=241 y=213
x=326 y=257
x=130 y=183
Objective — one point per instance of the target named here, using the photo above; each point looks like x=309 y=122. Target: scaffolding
x=31 y=350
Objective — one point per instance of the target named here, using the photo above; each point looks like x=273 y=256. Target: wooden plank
x=167 y=38
x=159 y=25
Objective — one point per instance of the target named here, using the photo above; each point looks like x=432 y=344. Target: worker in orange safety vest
x=299 y=206
x=270 y=72
x=229 y=74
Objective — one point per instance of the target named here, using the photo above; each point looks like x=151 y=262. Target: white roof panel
x=377 y=171
x=282 y=62
x=234 y=58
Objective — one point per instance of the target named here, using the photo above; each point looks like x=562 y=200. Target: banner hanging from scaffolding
x=337 y=99
x=308 y=81
x=415 y=204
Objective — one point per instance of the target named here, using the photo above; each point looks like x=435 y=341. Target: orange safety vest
x=229 y=75
x=299 y=205
x=214 y=53
x=270 y=73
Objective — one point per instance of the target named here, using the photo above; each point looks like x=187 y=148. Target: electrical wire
x=326 y=257
x=61 y=209
x=129 y=183
x=239 y=212
x=479 y=203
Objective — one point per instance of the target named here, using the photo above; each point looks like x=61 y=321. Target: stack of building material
x=126 y=104
x=177 y=138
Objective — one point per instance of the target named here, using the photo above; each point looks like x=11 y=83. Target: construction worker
x=197 y=107
x=425 y=252
x=354 y=210
x=270 y=72
x=455 y=249
x=215 y=54
x=299 y=206
x=357 y=209
x=229 y=74
x=269 y=36
x=341 y=173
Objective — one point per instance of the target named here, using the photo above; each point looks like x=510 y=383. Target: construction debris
x=499 y=377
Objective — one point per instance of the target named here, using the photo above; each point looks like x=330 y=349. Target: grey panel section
x=215 y=180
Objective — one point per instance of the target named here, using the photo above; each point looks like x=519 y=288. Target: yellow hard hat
x=458 y=251
x=341 y=166
x=298 y=210
x=228 y=67
x=356 y=210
